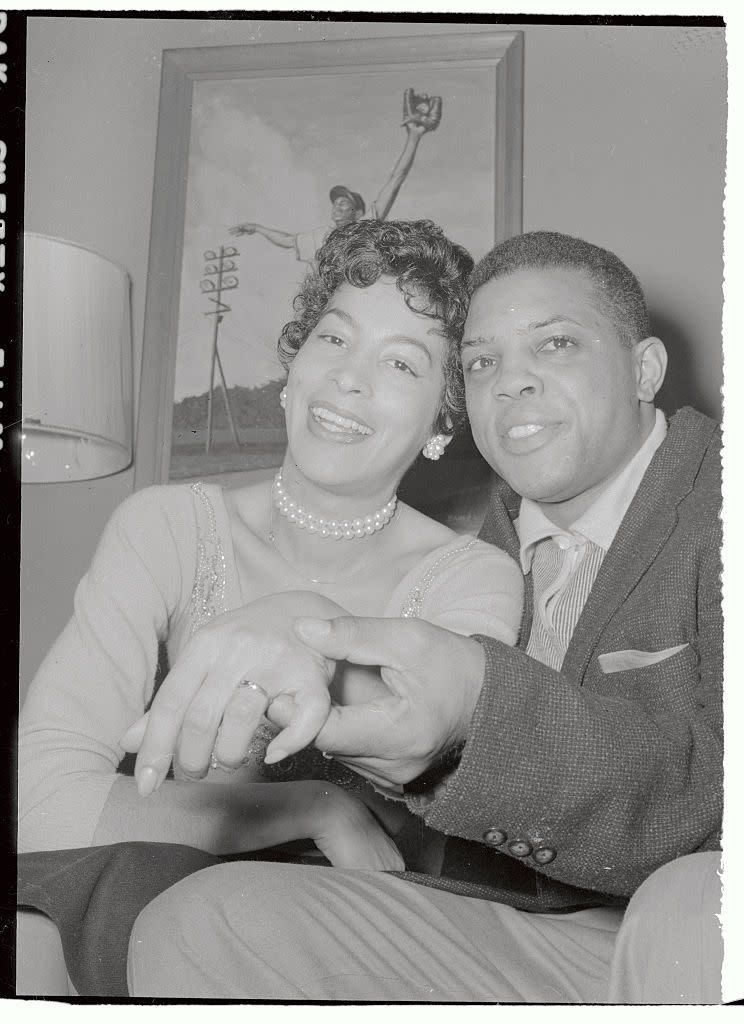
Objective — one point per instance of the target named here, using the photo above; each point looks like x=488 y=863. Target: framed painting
x=261 y=150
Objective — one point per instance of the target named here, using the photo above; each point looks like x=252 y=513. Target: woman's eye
x=332 y=339
x=398 y=364
x=558 y=344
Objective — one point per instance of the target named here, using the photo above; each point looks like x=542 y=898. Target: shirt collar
x=602 y=519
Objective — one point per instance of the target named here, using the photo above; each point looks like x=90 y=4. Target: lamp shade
x=77 y=363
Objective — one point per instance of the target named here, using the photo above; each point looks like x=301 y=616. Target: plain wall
x=624 y=145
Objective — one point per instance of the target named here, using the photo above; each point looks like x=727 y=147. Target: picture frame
x=274 y=93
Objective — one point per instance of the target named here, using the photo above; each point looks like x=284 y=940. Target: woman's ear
x=448 y=433
x=650 y=357
x=449 y=427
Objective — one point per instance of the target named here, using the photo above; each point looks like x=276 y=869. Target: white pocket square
x=619 y=661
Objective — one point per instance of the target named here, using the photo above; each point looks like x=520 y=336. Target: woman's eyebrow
x=405 y=339
x=341 y=314
x=402 y=339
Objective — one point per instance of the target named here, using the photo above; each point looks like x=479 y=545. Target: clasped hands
x=389 y=727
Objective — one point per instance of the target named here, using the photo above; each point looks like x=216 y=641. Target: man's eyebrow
x=479 y=340
x=534 y=325
x=537 y=324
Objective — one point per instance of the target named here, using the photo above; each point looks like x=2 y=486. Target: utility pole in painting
x=219 y=277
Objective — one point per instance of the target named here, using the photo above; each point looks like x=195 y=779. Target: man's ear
x=650 y=356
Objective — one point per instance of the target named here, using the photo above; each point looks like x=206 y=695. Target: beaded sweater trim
x=208 y=595
x=416 y=597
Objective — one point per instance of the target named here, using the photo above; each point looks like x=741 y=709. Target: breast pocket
x=620 y=661
x=664 y=680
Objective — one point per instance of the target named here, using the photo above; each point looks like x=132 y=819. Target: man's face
x=552 y=391
x=343 y=211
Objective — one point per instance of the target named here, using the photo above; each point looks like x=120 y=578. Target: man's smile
x=526 y=436
x=524 y=430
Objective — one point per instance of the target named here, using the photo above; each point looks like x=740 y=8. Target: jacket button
x=520 y=848
x=544 y=855
x=494 y=837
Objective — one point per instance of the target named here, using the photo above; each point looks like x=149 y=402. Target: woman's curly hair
x=430 y=271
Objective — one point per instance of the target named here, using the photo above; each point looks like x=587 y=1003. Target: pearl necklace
x=333 y=529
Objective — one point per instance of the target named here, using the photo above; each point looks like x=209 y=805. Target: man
x=421 y=114
x=565 y=772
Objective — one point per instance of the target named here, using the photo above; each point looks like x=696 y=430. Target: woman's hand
x=256 y=643
x=348 y=835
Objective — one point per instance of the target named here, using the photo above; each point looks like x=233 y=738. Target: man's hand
x=244 y=229
x=421 y=112
x=433 y=677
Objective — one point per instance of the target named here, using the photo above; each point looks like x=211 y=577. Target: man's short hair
x=620 y=295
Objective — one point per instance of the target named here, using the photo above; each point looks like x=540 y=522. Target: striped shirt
x=565 y=562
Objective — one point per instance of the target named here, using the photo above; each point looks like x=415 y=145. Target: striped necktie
x=564 y=569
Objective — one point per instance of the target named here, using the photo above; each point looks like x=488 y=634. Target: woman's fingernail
x=147 y=781
x=274 y=754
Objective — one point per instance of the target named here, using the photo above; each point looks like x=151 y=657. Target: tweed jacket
x=574 y=785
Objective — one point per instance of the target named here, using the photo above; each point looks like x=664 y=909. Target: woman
x=373 y=379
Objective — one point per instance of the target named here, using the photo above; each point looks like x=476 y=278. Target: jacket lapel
x=643 y=532
x=498 y=529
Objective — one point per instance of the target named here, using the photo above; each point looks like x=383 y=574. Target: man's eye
x=558 y=344
x=479 y=363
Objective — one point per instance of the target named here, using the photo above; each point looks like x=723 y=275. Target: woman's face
x=364 y=390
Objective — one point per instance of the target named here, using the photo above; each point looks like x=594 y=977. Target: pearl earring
x=283 y=398
x=434 y=447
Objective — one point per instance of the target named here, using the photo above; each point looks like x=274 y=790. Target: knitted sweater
x=164 y=566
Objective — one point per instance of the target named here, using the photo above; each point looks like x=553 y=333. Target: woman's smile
x=341 y=426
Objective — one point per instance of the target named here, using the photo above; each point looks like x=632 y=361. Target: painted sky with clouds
x=269 y=149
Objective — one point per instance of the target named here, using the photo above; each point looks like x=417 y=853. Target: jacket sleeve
x=613 y=786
